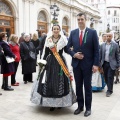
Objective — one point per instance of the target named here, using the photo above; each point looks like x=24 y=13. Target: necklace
x=55 y=37
x=55 y=40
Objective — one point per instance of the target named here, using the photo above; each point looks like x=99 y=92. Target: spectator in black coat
x=1 y=55
x=28 y=64
x=35 y=42
x=42 y=42
x=7 y=69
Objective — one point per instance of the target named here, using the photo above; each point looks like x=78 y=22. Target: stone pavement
x=16 y=105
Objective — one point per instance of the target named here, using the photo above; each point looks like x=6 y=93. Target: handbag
x=9 y=59
x=96 y=79
x=32 y=55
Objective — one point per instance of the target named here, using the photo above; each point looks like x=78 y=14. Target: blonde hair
x=35 y=36
x=13 y=37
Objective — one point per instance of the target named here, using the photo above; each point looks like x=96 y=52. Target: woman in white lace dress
x=53 y=88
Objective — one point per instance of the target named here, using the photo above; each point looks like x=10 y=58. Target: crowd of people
x=93 y=65
x=20 y=49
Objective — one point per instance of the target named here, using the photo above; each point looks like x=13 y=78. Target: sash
x=61 y=63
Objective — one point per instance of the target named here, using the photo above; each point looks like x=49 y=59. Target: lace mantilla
x=62 y=42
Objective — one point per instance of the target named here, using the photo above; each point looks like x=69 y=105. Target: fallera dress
x=52 y=87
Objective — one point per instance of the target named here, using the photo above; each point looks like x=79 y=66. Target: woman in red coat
x=16 y=50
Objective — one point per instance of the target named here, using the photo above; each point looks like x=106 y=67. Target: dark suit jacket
x=89 y=47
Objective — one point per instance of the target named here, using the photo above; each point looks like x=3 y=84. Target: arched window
x=42 y=16
x=42 y=23
x=6 y=18
x=5 y=9
x=65 y=24
x=65 y=21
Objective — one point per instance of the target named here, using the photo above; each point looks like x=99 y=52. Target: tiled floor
x=16 y=105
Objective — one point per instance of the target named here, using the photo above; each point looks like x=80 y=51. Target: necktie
x=81 y=36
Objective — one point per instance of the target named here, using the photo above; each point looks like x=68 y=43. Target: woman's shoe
x=8 y=89
x=30 y=81
x=25 y=82
x=116 y=81
x=15 y=84
x=52 y=108
x=2 y=87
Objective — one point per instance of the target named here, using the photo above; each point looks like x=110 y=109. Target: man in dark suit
x=110 y=61
x=85 y=60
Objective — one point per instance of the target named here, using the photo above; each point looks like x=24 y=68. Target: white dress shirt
x=82 y=32
x=107 y=51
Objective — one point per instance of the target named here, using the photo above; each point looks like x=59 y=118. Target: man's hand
x=2 y=51
x=78 y=55
x=94 y=68
x=101 y=70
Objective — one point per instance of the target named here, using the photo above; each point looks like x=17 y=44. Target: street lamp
x=92 y=23
x=108 y=27
x=54 y=10
x=118 y=35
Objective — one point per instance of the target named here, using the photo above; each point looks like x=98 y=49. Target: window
x=65 y=21
x=42 y=16
x=5 y=22
x=109 y=12
x=115 y=12
x=114 y=20
x=4 y=9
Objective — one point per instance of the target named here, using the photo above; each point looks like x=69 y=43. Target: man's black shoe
x=87 y=113
x=78 y=111
x=108 y=94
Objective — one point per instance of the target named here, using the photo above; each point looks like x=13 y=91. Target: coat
x=1 y=54
x=16 y=50
x=28 y=64
x=114 y=58
x=36 y=44
x=6 y=68
x=89 y=48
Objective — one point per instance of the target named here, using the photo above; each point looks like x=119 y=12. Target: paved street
x=16 y=105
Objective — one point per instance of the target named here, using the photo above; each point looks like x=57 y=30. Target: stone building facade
x=17 y=16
